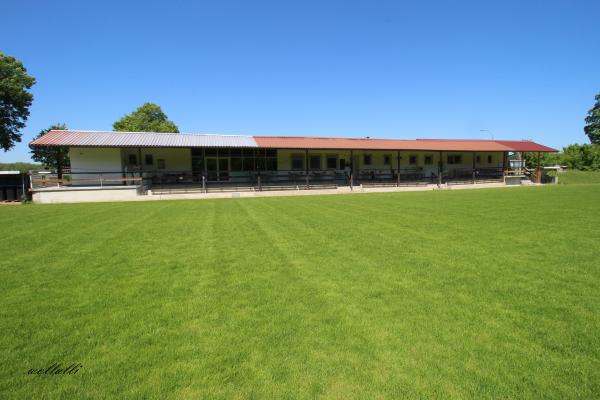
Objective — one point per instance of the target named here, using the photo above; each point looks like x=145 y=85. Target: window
x=271 y=163
x=236 y=163
x=248 y=163
x=478 y=159
x=297 y=162
x=428 y=160
x=331 y=162
x=455 y=159
x=149 y=159
x=132 y=159
x=160 y=163
x=315 y=162
x=367 y=159
x=489 y=159
x=387 y=159
x=412 y=160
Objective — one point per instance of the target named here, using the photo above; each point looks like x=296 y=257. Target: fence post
x=101 y=182
x=259 y=183
x=203 y=183
x=307 y=181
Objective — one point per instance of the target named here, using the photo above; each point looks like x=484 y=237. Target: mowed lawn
x=450 y=294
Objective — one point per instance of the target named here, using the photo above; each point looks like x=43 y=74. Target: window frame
x=369 y=157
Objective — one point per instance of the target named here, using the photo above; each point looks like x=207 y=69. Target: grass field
x=578 y=177
x=446 y=294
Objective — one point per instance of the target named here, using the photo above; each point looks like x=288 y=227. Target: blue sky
x=449 y=69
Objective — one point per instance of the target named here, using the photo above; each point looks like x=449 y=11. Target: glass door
x=223 y=169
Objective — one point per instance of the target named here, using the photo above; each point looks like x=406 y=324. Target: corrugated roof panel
x=140 y=139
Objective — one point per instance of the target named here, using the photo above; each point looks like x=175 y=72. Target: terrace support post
x=440 y=169
x=351 y=169
x=306 y=168
x=538 y=170
x=398 y=167
x=473 y=170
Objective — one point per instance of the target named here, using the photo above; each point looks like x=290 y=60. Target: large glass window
x=367 y=159
x=237 y=163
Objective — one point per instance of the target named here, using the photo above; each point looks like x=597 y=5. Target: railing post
x=259 y=183
x=307 y=181
x=203 y=183
x=101 y=183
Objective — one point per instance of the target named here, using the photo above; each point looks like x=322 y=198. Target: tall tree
x=15 y=100
x=50 y=156
x=147 y=118
x=592 y=122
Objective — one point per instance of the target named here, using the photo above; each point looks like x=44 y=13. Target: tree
x=15 y=100
x=147 y=118
x=50 y=156
x=592 y=122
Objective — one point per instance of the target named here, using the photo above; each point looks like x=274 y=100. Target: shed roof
x=72 y=138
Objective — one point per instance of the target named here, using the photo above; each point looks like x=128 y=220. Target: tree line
x=16 y=98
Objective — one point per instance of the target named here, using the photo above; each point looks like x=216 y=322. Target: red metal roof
x=303 y=142
x=150 y=139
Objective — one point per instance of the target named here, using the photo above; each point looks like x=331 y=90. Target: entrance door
x=212 y=170
x=224 y=169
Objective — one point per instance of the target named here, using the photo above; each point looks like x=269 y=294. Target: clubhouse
x=205 y=163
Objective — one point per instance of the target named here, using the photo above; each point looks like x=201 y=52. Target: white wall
x=87 y=162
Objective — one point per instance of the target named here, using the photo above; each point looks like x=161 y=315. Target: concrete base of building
x=50 y=195
x=136 y=193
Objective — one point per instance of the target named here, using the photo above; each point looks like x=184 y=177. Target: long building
x=234 y=162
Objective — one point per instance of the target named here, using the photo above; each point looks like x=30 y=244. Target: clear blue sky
x=520 y=69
